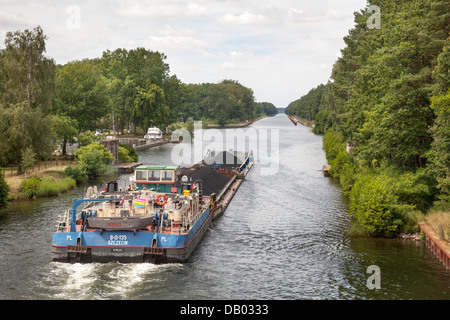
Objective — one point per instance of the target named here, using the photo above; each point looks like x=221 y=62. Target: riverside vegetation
x=43 y=104
x=388 y=103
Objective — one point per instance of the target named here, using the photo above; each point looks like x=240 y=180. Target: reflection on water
x=282 y=237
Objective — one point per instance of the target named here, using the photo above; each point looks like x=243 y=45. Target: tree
x=82 y=94
x=149 y=107
x=28 y=159
x=26 y=92
x=122 y=86
x=389 y=97
x=26 y=74
x=66 y=129
x=21 y=127
x=190 y=127
x=129 y=73
x=439 y=155
x=93 y=159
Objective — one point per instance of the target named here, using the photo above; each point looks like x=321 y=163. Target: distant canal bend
x=283 y=236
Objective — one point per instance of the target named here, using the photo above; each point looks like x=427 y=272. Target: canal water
x=283 y=236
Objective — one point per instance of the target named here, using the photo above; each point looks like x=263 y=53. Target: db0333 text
x=246 y=309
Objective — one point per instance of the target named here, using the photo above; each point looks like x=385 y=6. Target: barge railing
x=76 y=203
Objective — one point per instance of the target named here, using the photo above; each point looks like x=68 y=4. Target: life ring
x=161 y=202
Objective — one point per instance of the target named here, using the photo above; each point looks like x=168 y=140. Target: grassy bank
x=438 y=224
x=37 y=187
x=47 y=182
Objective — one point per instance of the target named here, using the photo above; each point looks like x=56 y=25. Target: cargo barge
x=160 y=218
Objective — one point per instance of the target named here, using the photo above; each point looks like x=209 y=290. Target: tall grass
x=439 y=221
x=35 y=187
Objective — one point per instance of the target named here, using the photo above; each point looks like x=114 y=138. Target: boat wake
x=98 y=281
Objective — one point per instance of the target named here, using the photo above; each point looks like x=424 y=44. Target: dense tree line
x=225 y=102
x=388 y=98
x=307 y=106
x=43 y=104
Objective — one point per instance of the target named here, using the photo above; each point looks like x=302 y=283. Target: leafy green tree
x=439 y=154
x=267 y=108
x=309 y=105
x=129 y=153
x=28 y=159
x=122 y=86
x=21 y=127
x=388 y=97
x=26 y=92
x=190 y=127
x=26 y=74
x=149 y=107
x=65 y=129
x=82 y=94
x=87 y=137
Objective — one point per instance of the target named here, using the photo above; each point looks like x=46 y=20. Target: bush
x=127 y=154
x=372 y=204
x=29 y=188
x=333 y=144
x=47 y=187
x=123 y=155
x=76 y=174
x=94 y=159
x=388 y=201
x=34 y=187
x=131 y=152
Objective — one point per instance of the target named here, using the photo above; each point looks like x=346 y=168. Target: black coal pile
x=225 y=159
x=212 y=181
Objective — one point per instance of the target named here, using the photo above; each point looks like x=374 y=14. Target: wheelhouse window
x=141 y=175
x=153 y=175
x=167 y=175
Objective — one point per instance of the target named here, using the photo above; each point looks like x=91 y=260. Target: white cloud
x=9 y=20
x=316 y=15
x=169 y=37
x=161 y=9
x=242 y=19
x=240 y=55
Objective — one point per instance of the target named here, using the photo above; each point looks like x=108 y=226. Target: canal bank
x=50 y=170
x=440 y=246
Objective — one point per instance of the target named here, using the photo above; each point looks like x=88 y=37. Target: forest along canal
x=283 y=236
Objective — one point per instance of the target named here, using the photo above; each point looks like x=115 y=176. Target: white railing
x=63 y=220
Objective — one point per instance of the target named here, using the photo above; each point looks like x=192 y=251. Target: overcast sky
x=279 y=48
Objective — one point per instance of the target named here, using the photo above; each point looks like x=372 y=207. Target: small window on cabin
x=153 y=175
x=141 y=175
x=167 y=176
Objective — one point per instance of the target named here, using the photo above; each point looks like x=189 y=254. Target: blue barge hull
x=129 y=246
